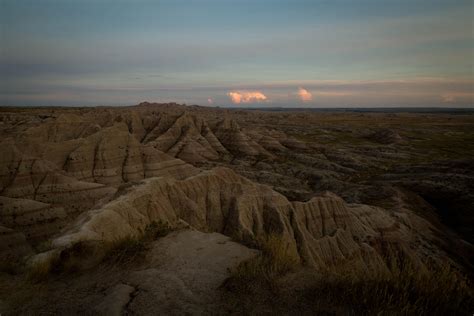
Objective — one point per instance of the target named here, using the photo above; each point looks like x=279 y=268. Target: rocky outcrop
x=236 y=141
x=36 y=220
x=188 y=138
x=52 y=172
x=322 y=232
x=64 y=127
x=113 y=156
x=191 y=138
x=25 y=177
x=184 y=273
x=37 y=199
x=266 y=141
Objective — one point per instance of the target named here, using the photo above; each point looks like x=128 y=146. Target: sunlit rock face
x=322 y=232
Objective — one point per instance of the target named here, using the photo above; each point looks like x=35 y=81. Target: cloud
x=210 y=101
x=246 y=96
x=304 y=95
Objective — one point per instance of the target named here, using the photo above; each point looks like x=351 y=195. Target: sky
x=391 y=53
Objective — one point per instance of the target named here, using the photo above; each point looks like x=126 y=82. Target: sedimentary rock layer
x=324 y=231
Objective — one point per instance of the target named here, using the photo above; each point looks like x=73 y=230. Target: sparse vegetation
x=262 y=270
x=129 y=248
x=124 y=250
x=117 y=252
x=406 y=290
x=41 y=269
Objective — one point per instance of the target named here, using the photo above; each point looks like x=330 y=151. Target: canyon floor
x=175 y=209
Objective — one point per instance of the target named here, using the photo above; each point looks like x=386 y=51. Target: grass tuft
x=41 y=269
x=273 y=261
x=132 y=247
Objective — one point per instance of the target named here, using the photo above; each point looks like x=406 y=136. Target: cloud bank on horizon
x=290 y=53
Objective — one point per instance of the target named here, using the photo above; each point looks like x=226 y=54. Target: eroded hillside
x=338 y=190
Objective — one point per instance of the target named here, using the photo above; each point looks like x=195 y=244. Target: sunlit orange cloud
x=246 y=96
x=304 y=95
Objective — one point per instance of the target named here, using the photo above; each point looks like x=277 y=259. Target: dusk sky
x=238 y=53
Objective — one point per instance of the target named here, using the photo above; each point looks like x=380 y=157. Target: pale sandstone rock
x=188 y=138
x=113 y=156
x=183 y=272
x=73 y=159
x=322 y=232
x=22 y=176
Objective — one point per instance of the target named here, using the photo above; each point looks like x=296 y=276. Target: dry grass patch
x=259 y=286
x=132 y=247
x=407 y=290
x=40 y=270
x=84 y=255
x=273 y=261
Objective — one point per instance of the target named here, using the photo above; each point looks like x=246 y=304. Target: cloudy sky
x=237 y=53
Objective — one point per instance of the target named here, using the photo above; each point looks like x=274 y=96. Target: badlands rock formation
x=322 y=232
x=335 y=192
